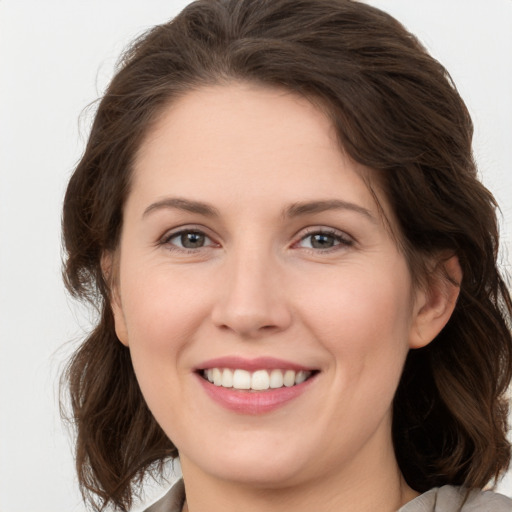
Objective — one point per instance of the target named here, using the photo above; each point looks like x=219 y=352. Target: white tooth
x=209 y=374
x=289 y=378
x=241 y=379
x=217 y=377
x=276 y=379
x=301 y=376
x=260 y=380
x=227 y=378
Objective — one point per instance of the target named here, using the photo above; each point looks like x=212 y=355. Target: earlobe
x=107 y=268
x=435 y=305
x=119 y=321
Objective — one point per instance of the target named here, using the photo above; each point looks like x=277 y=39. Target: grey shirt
x=455 y=499
x=439 y=499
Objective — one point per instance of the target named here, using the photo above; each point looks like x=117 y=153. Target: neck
x=365 y=485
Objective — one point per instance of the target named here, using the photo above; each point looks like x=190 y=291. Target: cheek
x=160 y=306
x=363 y=319
x=163 y=313
x=361 y=305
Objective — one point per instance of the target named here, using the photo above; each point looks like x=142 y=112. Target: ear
x=435 y=303
x=108 y=268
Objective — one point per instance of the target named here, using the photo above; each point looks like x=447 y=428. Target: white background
x=55 y=58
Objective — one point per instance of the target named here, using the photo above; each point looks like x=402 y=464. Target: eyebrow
x=182 y=204
x=294 y=210
x=312 y=207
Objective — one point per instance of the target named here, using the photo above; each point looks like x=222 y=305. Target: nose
x=252 y=300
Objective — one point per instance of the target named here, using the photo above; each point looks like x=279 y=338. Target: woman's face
x=253 y=254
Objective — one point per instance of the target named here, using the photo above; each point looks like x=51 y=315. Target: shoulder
x=172 y=501
x=457 y=499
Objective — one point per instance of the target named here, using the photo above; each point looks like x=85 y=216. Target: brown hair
x=396 y=111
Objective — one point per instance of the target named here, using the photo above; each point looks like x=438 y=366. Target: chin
x=258 y=468
x=263 y=475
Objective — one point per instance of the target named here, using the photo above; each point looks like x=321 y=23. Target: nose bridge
x=251 y=300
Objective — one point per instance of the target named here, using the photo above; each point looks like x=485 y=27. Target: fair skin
x=248 y=234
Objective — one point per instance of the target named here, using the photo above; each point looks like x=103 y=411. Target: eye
x=188 y=239
x=325 y=240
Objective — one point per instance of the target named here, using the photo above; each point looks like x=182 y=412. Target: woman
x=278 y=215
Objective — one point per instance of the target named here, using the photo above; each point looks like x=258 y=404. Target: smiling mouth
x=259 y=380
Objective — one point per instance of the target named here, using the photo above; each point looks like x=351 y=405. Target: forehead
x=244 y=138
x=239 y=118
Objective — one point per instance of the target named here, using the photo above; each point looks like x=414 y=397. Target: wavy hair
x=395 y=110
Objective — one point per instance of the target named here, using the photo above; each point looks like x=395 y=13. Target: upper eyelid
x=178 y=233
x=165 y=241
x=186 y=228
x=311 y=230
x=299 y=235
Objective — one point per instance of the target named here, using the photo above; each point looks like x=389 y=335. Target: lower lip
x=253 y=402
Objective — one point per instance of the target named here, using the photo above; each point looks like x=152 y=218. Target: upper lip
x=258 y=363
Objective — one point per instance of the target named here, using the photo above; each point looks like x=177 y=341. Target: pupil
x=192 y=240
x=320 y=241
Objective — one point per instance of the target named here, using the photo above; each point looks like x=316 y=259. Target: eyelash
x=341 y=240
x=166 y=240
